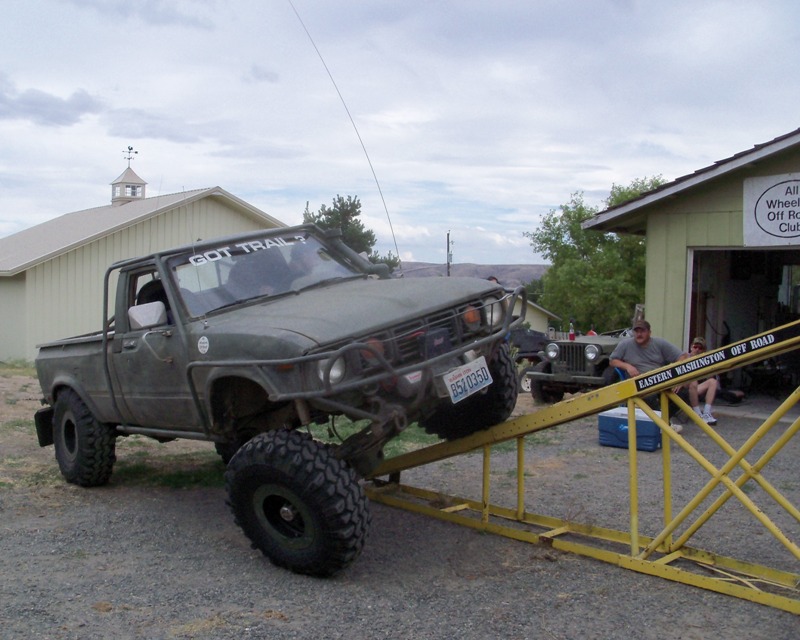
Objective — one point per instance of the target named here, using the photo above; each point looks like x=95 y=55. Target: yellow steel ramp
x=666 y=553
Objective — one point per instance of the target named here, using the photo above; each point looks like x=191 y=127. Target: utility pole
x=449 y=253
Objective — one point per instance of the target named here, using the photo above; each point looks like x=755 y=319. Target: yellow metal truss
x=666 y=554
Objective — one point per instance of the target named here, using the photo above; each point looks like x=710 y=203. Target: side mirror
x=150 y=314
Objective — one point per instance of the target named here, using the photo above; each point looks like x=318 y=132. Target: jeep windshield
x=234 y=273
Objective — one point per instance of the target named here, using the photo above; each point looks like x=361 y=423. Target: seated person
x=706 y=389
x=645 y=352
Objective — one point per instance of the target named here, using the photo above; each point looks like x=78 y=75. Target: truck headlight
x=495 y=312
x=551 y=351
x=592 y=352
x=337 y=370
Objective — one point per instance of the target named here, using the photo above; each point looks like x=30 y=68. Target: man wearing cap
x=645 y=352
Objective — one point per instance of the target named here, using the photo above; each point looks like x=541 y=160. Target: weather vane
x=129 y=153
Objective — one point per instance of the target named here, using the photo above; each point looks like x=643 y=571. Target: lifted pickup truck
x=242 y=341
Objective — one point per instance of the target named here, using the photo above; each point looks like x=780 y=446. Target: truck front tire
x=482 y=410
x=85 y=448
x=302 y=507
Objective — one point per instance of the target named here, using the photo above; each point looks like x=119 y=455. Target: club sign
x=772 y=210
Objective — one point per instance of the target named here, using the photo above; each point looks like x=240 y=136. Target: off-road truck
x=245 y=340
x=570 y=366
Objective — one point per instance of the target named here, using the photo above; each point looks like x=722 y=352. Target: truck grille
x=410 y=339
x=571 y=357
x=421 y=338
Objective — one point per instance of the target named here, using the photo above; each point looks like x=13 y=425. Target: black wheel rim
x=284 y=516
x=69 y=436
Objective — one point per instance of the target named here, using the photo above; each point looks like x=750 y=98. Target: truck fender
x=234 y=372
x=65 y=382
x=224 y=373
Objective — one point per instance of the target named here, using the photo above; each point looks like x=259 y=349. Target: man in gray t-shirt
x=644 y=352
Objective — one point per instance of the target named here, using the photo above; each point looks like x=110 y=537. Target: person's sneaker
x=676 y=427
x=709 y=419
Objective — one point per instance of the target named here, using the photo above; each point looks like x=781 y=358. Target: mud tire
x=85 y=448
x=302 y=507
x=482 y=410
x=540 y=393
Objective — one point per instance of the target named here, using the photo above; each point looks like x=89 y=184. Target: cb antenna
x=129 y=153
x=353 y=122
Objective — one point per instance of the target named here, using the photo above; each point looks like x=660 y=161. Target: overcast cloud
x=478 y=117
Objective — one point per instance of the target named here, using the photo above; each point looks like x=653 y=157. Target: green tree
x=534 y=290
x=344 y=214
x=594 y=278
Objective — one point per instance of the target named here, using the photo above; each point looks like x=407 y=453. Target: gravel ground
x=132 y=560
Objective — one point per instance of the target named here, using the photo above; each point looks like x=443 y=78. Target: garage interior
x=739 y=293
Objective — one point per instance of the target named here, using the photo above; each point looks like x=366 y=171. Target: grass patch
x=184 y=471
x=17 y=368
x=42 y=476
x=410 y=439
x=18 y=424
x=512 y=473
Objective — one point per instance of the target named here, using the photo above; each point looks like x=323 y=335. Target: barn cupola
x=128 y=186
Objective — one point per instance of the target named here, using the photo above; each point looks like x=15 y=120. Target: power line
x=355 y=128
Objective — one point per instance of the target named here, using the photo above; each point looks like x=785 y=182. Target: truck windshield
x=234 y=273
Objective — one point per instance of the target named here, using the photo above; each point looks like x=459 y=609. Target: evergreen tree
x=344 y=214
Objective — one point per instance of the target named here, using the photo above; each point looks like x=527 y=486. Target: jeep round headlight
x=338 y=370
x=592 y=352
x=551 y=351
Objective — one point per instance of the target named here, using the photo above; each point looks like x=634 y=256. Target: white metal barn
x=51 y=275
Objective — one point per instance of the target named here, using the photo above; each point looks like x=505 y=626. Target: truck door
x=148 y=359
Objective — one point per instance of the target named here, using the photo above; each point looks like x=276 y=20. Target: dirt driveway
x=156 y=553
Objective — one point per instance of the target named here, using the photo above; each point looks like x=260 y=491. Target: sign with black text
x=772 y=210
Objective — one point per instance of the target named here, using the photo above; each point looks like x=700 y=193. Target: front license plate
x=467 y=379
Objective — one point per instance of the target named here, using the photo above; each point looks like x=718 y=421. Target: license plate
x=467 y=379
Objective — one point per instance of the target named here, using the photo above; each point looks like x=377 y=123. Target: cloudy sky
x=478 y=116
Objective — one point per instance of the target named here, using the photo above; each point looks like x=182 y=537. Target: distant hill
x=509 y=275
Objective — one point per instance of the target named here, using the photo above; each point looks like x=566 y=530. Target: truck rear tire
x=85 y=448
x=482 y=410
x=302 y=507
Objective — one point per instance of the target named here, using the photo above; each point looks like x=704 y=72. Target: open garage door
x=737 y=293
